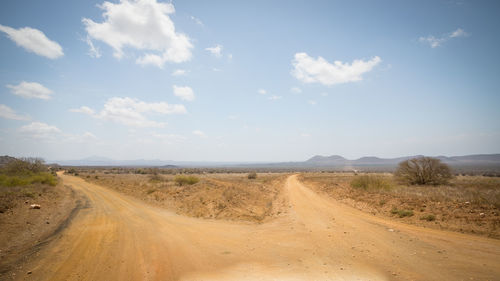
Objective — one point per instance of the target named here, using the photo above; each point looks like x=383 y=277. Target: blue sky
x=248 y=81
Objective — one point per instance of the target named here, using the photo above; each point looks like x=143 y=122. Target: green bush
x=182 y=180
x=402 y=213
x=26 y=179
x=428 y=218
x=373 y=182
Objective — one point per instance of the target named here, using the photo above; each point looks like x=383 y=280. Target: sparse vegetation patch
x=402 y=213
x=183 y=180
x=371 y=182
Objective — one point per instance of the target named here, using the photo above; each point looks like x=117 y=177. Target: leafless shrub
x=424 y=171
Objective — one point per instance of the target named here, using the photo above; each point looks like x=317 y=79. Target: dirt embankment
x=23 y=230
x=220 y=196
x=469 y=204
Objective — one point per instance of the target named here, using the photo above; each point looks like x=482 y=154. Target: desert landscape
x=254 y=140
x=200 y=224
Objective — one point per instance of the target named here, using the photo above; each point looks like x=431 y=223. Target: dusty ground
x=469 y=204
x=221 y=196
x=122 y=238
x=24 y=230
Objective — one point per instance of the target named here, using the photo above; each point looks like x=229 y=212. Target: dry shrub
x=371 y=182
x=423 y=171
x=182 y=180
x=252 y=176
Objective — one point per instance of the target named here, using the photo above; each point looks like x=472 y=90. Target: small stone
x=35 y=206
x=390 y=230
x=29 y=272
x=47 y=222
x=481 y=215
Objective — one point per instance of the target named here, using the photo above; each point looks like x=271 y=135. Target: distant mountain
x=327 y=159
x=316 y=162
x=335 y=160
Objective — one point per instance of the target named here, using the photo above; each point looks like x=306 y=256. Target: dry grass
x=221 y=196
x=467 y=204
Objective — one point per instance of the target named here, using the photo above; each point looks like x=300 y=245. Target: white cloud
x=296 y=90
x=262 y=91
x=89 y=136
x=8 y=113
x=215 y=69
x=459 y=33
x=310 y=70
x=229 y=56
x=185 y=93
x=432 y=41
x=199 y=134
x=179 y=72
x=31 y=90
x=33 y=40
x=324 y=94
x=273 y=97
x=131 y=112
x=39 y=130
x=197 y=21
x=305 y=135
x=94 y=52
x=435 y=42
x=216 y=50
x=312 y=102
x=143 y=25
x=83 y=109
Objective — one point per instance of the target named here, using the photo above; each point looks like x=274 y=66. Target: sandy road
x=120 y=238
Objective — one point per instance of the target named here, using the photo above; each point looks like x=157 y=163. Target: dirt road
x=120 y=238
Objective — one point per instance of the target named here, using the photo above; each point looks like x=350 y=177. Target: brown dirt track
x=121 y=238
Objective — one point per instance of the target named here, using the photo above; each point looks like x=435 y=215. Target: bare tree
x=423 y=170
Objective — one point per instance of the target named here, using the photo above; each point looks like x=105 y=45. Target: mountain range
x=317 y=161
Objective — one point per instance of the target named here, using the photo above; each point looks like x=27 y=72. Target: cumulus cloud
x=216 y=50
x=435 y=42
x=39 y=130
x=296 y=90
x=31 y=90
x=8 y=113
x=143 y=25
x=179 y=72
x=33 y=40
x=310 y=70
x=262 y=91
x=132 y=112
x=185 y=93
x=44 y=132
x=199 y=134
x=83 y=109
